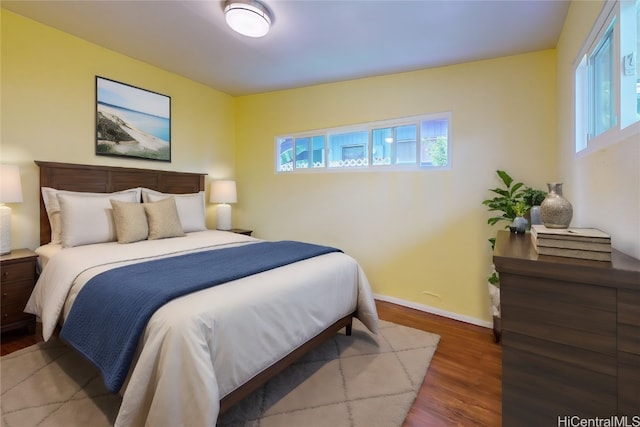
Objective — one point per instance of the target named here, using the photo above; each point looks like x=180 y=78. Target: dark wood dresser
x=17 y=279
x=570 y=335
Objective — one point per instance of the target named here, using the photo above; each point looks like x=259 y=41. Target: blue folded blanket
x=113 y=308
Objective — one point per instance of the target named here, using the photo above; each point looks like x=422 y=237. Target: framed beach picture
x=132 y=122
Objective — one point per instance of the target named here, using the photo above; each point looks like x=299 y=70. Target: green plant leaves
x=513 y=199
x=506 y=179
x=506 y=200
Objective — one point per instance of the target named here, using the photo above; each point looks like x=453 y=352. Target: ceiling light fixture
x=248 y=17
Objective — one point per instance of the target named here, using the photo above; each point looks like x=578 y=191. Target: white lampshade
x=247 y=17
x=10 y=192
x=223 y=192
x=10 y=186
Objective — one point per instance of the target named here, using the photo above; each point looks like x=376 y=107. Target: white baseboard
x=433 y=310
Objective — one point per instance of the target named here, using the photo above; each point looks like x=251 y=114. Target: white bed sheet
x=200 y=347
x=46 y=252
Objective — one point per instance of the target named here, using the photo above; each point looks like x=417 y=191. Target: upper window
x=409 y=143
x=607 y=77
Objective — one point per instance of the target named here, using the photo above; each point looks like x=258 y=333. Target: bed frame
x=107 y=179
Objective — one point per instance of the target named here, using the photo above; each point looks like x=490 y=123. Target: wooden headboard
x=107 y=179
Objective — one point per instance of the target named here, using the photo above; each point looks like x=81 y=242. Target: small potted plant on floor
x=508 y=200
x=515 y=201
x=494 y=297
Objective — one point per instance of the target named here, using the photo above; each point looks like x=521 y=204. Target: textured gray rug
x=357 y=381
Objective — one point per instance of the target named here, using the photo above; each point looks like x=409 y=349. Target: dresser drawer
x=629 y=307
x=629 y=339
x=17 y=279
x=577 y=315
x=14 y=313
x=536 y=390
x=16 y=293
x=546 y=292
x=628 y=384
x=589 y=361
x=18 y=271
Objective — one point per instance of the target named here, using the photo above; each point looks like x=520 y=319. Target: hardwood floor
x=15 y=340
x=462 y=386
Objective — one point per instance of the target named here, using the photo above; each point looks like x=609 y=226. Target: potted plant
x=509 y=201
x=533 y=198
x=493 y=283
x=505 y=200
x=513 y=200
x=520 y=223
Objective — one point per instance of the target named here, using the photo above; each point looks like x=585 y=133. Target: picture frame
x=132 y=122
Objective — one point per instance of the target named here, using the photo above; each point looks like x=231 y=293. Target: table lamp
x=223 y=192
x=10 y=192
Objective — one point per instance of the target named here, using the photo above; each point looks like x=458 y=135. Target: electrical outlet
x=431 y=294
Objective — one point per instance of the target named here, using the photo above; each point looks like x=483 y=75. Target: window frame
x=585 y=142
x=369 y=127
x=594 y=95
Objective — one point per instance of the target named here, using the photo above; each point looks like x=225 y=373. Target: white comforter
x=200 y=347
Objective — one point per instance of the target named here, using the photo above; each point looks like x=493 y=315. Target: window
x=348 y=149
x=410 y=143
x=434 y=143
x=607 y=78
x=395 y=145
x=602 y=114
x=309 y=153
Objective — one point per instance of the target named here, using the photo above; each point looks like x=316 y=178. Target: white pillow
x=191 y=208
x=87 y=219
x=50 y=198
x=145 y=194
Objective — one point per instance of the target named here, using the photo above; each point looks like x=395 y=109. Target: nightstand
x=17 y=279
x=241 y=231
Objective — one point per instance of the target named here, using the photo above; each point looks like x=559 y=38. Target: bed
x=200 y=353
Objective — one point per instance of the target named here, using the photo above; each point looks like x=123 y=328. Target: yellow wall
x=420 y=236
x=48 y=112
x=604 y=186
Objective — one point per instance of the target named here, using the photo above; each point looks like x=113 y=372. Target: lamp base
x=223 y=217
x=5 y=230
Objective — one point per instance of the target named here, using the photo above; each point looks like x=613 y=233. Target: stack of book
x=583 y=243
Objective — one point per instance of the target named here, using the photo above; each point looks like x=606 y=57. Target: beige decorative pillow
x=191 y=208
x=130 y=220
x=163 y=219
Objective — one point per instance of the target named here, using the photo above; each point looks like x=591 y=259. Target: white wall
x=604 y=186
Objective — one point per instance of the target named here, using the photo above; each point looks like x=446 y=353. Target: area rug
x=362 y=380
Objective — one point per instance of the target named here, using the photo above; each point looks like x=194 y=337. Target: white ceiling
x=311 y=41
